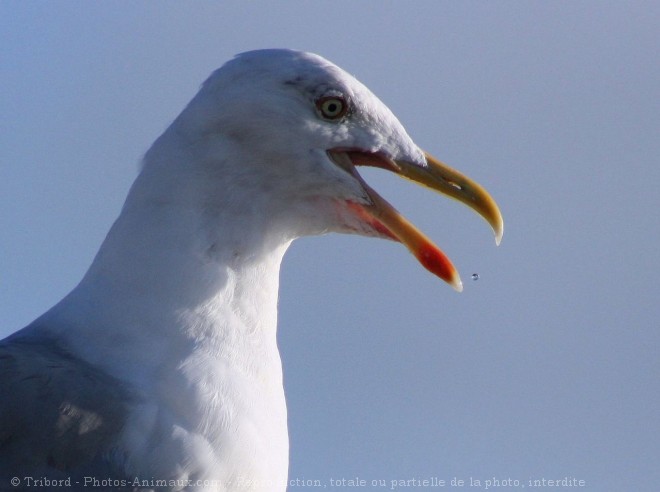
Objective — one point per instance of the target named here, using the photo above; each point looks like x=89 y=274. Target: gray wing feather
x=59 y=415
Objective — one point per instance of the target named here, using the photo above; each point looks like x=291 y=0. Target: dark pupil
x=332 y=107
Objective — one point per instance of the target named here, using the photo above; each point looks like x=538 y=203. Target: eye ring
x=332 y=107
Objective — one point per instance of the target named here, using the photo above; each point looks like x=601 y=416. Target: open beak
x=435 y=175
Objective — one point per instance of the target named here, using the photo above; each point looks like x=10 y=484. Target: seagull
x=160 y=370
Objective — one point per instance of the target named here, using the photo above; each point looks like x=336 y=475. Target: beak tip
x=499 y=232
x=457 y=284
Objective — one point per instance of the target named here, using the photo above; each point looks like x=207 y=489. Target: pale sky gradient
x=546 y=367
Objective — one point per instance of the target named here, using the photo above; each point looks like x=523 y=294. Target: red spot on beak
x=436 y=262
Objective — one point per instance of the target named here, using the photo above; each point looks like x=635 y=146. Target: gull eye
x=332 y=107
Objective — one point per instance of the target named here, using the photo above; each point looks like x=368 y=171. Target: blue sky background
x=546 y=367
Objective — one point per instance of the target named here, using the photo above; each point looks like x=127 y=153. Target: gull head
x=281 y=133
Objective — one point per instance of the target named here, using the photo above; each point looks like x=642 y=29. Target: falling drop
x=475 y=276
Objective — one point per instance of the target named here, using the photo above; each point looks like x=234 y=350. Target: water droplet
x=475 y=276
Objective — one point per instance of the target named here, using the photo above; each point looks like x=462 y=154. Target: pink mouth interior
x=365 y=217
